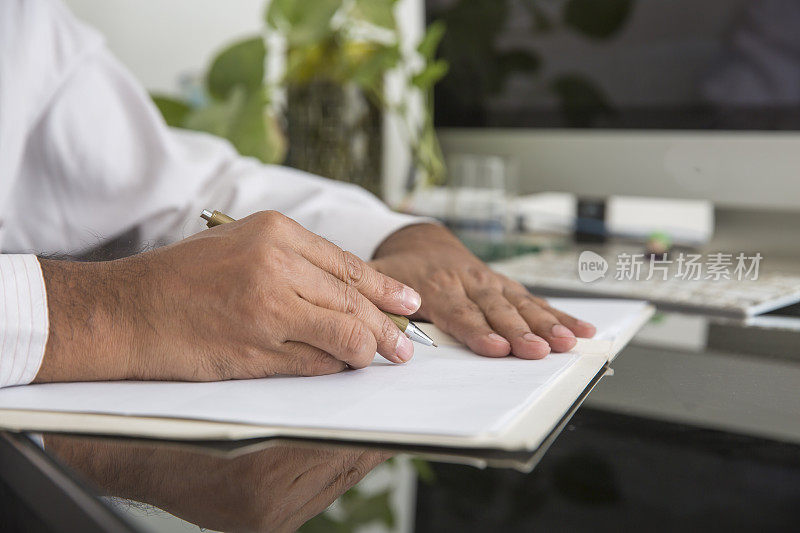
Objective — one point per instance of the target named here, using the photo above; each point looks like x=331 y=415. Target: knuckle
x=351 y=300
x=354 y=339
x=442 y=278
x=390 y=287
x=514 y=289
x=389 y=331
x=483 y=276
x=461 y=310
x=356 y=343
x=539 y=301
x=355 y=473
x=271 y=224
x=529 y=305
x=352 y=268
x=270 y=218
x=353 y=467
x=500 y=306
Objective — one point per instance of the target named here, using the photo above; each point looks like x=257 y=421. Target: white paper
x=444 y=391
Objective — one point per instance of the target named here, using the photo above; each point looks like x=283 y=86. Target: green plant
x=359 y=42
x=236 y=104
x=339 y=41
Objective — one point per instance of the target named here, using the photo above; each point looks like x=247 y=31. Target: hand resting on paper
x=488 y=312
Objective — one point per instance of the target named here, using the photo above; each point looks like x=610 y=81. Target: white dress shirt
x=85 y=157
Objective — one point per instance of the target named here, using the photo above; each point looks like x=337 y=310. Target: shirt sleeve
x=105 y=162
x=23 y=319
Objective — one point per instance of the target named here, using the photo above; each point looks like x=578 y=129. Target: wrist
x=89 y=335
x=418 y=237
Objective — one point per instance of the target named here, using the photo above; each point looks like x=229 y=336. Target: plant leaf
x=598 y=19
x=254 y=131
x=430 y=75
x=376 y=12
x=430 y=42
x=305 y=63
x=370 y=70
x=303 y=22
x=216 y=118
x=243 y=119
x=173 y=110
x=239 y=65
x=424 y=470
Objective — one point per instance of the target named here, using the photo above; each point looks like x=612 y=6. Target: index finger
x=386 y=293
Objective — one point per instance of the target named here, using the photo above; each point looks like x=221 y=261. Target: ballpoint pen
x=411 y=330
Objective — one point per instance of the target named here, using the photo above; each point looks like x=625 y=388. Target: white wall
x=160 y=40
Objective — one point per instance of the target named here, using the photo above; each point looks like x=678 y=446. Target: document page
x=445 y=391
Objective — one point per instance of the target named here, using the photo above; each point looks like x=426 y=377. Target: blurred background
x=540 y=109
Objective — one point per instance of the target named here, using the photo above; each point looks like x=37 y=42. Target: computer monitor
x=678 y=99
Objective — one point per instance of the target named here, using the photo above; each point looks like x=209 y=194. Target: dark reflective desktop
x=699 y=427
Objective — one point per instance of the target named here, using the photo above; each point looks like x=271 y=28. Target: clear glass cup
x=480 y=202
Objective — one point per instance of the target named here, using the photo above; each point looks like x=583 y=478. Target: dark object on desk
x=590 y=220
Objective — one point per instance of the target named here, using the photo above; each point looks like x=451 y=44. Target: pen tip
x=435 y=345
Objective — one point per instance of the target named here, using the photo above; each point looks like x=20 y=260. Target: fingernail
x=585 y=324
x=560 y=330
x=530 y=337
x=497 y=338
x=405 y=349
x=411 y=299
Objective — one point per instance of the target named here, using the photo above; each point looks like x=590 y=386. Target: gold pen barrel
x=400 y=321
x=410 y=329
x=216 y=218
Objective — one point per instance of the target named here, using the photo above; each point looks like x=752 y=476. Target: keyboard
x=552 y=273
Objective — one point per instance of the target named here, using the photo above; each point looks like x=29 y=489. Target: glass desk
x=698 y=428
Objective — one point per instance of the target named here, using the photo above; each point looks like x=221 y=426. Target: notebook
x=444 y=396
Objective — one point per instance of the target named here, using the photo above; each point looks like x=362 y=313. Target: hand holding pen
x=250 y=299
x=404 y=324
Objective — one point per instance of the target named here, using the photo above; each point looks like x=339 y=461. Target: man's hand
x=252 y=298
x=490 y=313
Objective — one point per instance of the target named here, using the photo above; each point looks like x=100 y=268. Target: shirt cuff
x=373 y=231
x=23 y=319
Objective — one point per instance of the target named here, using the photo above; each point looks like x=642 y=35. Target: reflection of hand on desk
x=277 y=489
